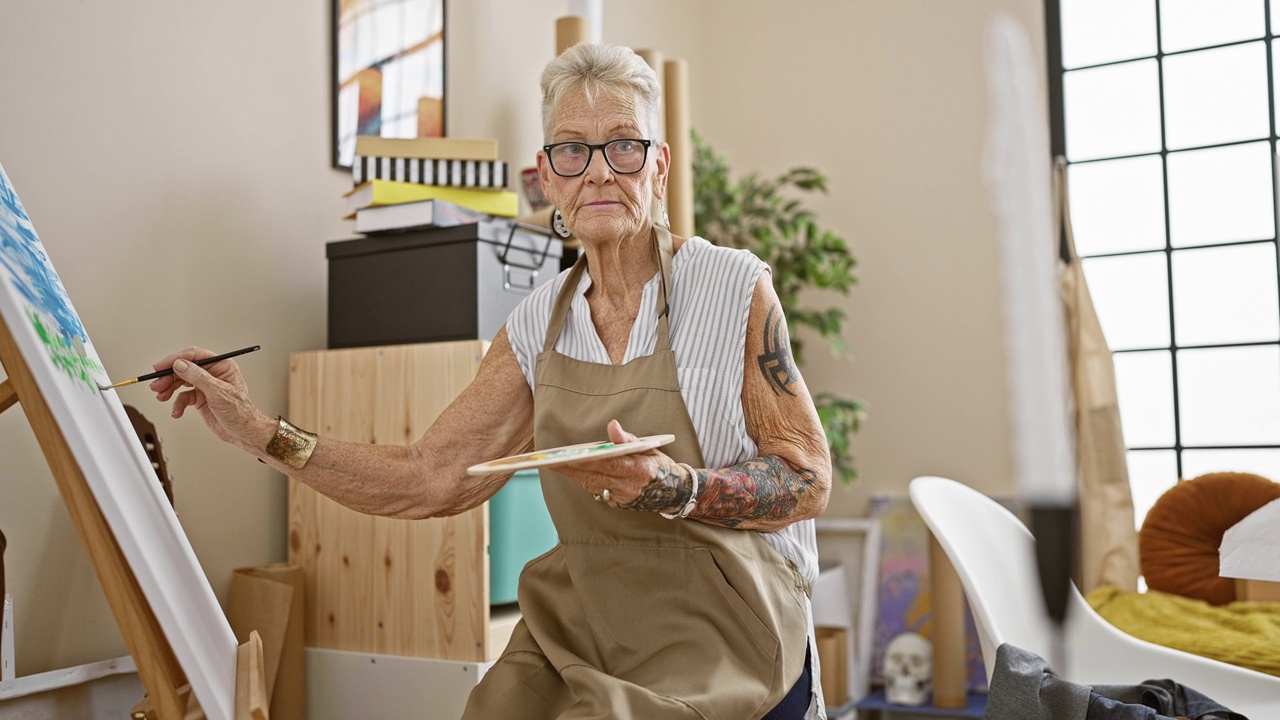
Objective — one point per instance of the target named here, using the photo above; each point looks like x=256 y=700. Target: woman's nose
x=598 y=168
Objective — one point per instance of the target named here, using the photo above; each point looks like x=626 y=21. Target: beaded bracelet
x=693 y=496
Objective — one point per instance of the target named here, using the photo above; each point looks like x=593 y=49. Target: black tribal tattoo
x=775 y=362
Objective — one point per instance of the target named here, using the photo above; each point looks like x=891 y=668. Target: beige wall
x=887 y=98
x=174 y=158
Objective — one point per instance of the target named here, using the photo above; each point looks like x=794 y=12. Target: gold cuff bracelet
x=292 y=445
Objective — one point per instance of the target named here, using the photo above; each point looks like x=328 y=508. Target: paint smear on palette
x=25 y=263
x=904 y=587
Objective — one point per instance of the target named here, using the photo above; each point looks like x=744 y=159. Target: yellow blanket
x=1241 y=633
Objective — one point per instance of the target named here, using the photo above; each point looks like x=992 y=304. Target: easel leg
x=8 y=396
x=157 y=666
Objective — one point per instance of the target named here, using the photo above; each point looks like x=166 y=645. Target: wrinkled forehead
x=588 y=111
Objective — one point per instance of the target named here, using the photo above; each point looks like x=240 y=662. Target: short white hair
x=610 y=69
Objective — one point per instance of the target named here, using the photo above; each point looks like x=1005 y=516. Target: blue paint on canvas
x=30 y=272
x=23 y=260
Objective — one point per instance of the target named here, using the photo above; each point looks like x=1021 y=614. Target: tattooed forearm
x=765 y=489
x=666 y=492
x=775 y=362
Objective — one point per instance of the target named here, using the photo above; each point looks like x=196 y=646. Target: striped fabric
x=450 y=173
x=711 y=290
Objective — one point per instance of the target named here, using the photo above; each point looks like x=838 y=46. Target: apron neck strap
x=662 y=244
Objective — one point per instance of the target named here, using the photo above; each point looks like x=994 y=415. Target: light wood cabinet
x=416 y=588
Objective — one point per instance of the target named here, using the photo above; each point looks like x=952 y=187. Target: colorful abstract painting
x=388 y=71
x=25 y=266
x=904 y=587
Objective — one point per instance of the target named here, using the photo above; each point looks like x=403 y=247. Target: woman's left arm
x=791 y=478
x=789 y=481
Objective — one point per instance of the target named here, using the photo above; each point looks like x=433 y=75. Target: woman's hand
x=218 y=392
x=647 y=480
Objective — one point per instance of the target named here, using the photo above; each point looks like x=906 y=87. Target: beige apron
x=632 y=615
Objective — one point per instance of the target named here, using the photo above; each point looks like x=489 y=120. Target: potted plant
x=759 y=214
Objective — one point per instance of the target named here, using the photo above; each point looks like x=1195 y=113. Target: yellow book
x=503 y=203
x=428 y=148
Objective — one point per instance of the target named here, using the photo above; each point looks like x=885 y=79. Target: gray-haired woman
x=679 y=587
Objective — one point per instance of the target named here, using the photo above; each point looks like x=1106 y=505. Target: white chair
x=994 y=555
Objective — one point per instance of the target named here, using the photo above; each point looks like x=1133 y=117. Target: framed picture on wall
x=388 y=71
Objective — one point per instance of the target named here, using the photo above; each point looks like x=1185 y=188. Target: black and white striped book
x=449 y=173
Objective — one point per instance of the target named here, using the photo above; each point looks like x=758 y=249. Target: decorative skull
x=908 y=670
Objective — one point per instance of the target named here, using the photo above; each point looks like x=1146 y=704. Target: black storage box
x=436 y=284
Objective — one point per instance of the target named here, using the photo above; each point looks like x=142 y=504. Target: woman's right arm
x=493 y=417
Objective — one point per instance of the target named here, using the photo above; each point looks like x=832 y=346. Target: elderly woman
x=679 y=587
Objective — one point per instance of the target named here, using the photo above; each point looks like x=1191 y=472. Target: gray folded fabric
x=1024 y=687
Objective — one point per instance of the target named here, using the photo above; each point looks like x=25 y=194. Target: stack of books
x=405 y=184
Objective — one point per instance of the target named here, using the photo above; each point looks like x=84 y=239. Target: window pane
x=1216 y=96
x=1151 y=473
x=1220 y=195
x=1098 y=31
x=1131 y=295
x=1225 y=295
x=1186 y=24
x=1113 y=110
x=1229 y=396
x=1117 y=205
x=1259 y=462
x=1144 y=383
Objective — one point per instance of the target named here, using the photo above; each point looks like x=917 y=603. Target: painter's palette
x=568 y=454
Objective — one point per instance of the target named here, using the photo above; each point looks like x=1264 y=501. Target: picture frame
x=847 y=591
x=387 y=71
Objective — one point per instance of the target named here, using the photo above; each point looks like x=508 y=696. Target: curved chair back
x=994 y=555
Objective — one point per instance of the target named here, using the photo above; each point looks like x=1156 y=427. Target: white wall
x=175 y=159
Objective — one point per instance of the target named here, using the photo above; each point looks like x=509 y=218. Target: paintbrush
x=164 y=373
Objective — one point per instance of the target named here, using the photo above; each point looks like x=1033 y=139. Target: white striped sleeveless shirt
x=710 y=298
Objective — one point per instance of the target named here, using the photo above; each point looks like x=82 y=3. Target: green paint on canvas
x=66 y=358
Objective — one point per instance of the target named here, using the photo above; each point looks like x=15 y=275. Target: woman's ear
x=663 y=157
x=544 y=175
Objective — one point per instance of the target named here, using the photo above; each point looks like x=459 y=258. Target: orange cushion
x=1178 y=543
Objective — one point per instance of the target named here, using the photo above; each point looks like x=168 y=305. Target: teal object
x=520 y=529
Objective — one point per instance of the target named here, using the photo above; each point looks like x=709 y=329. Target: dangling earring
x=665 y=219
x=557 y=224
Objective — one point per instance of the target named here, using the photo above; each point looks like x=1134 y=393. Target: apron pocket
x=660 y=612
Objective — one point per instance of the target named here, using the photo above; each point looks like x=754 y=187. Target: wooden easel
x=161 y=674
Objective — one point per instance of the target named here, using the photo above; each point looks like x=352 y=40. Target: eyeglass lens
x=624 y=156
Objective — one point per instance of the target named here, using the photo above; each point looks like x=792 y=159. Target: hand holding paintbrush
x=169 y=371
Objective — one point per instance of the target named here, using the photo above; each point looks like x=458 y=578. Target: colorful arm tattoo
x=764 y=488
x=666 y=492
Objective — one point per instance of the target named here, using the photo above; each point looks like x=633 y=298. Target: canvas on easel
x=160 y=597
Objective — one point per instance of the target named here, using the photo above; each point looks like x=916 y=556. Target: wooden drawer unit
x=416 y=588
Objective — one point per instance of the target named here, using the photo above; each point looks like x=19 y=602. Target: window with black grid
x=1166 y=113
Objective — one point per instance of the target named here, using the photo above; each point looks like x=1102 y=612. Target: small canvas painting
x=388 y=71
x=904 y=587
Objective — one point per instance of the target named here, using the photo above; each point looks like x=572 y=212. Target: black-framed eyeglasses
x=625 y=156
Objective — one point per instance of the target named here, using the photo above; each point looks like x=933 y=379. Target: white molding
x=66 y=677
x=12 y=686
x=6 y=641
x=867 y=531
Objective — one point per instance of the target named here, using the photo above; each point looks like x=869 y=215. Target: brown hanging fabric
x=1108 y=540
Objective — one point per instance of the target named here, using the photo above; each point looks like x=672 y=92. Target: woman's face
x=602 y=204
